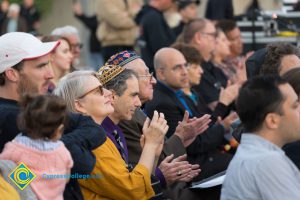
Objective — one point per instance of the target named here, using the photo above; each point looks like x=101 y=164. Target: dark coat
x=9 y=110
x=22 y=25
x=154 y=33
x=211 y=82
x=204 y=150
x=91 y=23
x=81 y=136
x=217 y=9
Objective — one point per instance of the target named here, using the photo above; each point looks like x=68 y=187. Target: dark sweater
x=82 y=135
x=9 y=110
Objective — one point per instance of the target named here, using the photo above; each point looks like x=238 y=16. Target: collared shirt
x=180 y=96
x=260 y=170
x=111 y=129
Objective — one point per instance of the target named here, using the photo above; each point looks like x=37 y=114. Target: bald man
x=170 y=66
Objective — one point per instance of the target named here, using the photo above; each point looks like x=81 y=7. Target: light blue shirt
x=260 y=170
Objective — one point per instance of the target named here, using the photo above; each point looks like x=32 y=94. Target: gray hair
x=118 y=83
x=72 y=86
x=65 y=30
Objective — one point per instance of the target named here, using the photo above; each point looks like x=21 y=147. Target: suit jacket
x=211 y=82
x=204 y=150
x=132 y=130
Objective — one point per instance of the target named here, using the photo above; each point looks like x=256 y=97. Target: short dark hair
x=293 y=78
x=18 y=67
x=226 y=25
x=191 y=28
x=273 y=58
x=41 y=115
x=118 y=83
x=258 y=97
x=190 y=53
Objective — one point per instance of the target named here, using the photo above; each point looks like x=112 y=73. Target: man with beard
x=24 y=68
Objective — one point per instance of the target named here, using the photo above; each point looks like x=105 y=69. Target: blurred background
x=57 y=13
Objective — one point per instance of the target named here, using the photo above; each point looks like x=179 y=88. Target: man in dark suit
x=170 y=66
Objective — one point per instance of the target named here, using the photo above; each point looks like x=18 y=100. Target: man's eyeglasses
x=99 y=88
x=78 y=45
x=213 y=34
x=147 y=76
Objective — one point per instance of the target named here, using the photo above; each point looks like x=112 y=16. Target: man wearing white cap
x=23 y=69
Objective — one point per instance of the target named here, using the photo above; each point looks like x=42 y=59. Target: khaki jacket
x=117 y=26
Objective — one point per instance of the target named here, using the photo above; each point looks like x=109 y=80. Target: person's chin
x=43 y=90
x=110 y=109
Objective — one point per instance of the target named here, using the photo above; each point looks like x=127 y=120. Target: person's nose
x=49 y=73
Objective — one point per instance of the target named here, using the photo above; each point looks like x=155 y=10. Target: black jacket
x=91 y=23
x=211 y=82
x=9 y=111
x=205 y=147
x=81 y=136
x=154 y=33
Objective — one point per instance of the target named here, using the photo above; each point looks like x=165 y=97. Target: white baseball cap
x=18 y=46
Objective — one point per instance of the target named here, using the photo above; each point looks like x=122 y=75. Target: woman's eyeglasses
x=99 y=88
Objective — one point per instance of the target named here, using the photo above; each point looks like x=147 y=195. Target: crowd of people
x=166 y=107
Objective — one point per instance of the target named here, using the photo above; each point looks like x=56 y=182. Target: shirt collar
x=259 y=142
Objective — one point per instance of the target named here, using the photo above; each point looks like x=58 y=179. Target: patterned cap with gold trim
x=122 y=58
x=107 y=72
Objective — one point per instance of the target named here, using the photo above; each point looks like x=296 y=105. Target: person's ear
x=197 y=37
x=114 y=97
x=12 y=75
x=160 y=74
x=80 y=107
x=272 y=121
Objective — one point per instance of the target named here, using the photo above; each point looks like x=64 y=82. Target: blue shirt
x=180 y=96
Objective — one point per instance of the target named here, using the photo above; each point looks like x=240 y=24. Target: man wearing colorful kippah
x=172 y=169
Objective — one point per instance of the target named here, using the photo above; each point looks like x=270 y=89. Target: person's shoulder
x=151 y=16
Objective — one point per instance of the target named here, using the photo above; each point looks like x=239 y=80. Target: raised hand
x=188 y=129
x=155 y=130
x=229 y=94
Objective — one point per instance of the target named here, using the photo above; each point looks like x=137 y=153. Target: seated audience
x=85 y=94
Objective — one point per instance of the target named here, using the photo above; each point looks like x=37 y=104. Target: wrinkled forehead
x=138 y=65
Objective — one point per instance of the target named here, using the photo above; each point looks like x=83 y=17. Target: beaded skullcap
x=108 y=72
